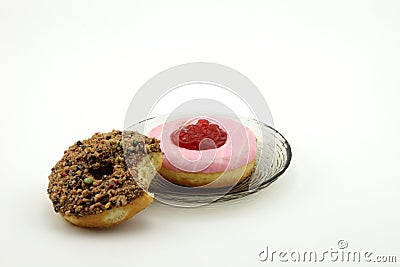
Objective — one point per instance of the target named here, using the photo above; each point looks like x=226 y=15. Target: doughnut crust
x=92 y=186
x=113 y=216
x=209 y=180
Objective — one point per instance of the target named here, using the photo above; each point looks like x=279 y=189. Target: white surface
x=328 y=69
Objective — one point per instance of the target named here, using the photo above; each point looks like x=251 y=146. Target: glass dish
x=273 y=158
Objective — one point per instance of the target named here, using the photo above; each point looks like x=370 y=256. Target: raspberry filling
x=200 y=136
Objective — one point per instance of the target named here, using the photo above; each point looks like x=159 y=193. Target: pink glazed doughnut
x=213 y=167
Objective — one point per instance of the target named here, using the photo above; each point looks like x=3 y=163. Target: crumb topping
x=93 y=176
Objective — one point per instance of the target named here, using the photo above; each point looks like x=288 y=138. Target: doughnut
x=92 y=186
x=206 y=151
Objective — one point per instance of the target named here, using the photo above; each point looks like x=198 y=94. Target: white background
x=328 y=69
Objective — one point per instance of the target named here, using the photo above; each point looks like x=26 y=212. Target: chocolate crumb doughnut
x=92 y=186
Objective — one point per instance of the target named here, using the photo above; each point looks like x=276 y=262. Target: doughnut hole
x=106 y=168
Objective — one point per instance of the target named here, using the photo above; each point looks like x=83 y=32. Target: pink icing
x=239 y=149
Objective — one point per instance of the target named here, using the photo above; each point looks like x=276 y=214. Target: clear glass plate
x=273 y=158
